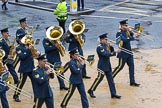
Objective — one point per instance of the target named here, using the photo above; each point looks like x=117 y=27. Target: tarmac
x=103 y=17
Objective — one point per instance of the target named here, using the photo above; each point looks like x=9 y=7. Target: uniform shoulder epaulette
x=99 y=45
x=119 y=31
x=1 y=39
x=35 y=68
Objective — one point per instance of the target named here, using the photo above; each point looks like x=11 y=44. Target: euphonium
x=54 y=34
x=2 y=54
x=77 y=27
x=27 y=39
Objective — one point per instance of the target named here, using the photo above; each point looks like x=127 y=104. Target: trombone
x=58 y=73
x=138 y=28
x=122 y=49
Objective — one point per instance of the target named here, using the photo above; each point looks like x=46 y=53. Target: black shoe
x=135 y=84
x=64 y=88
x=90 y=92
x=63 y=106
x=116 y=96
x=16 y=98
x=16 y=82
x=86 y=77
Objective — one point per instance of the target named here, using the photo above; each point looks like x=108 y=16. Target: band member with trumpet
x=42 y=90
x=104 y=51
x=5 y=44
x=3 y=86
x=26 y=64
x=76 y=38
x=52 y=49
x=76 y=65
x=123 y=38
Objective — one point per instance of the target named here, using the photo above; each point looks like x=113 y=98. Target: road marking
x=113 y=5
x=106 y=17
x=129 y=10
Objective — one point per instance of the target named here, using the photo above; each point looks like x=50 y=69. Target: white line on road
x=106 y=17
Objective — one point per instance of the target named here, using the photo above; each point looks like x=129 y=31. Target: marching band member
x=5 y=44
x=76 y=65
x=53 y=56
x=124 y=36
x=26 y=65
x=104 y=52
x=3 y=89
x=19 y=32
x=42 y=90
x=73 y=43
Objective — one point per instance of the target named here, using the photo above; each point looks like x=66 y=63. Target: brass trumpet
x=54 y=34
x=77 y=27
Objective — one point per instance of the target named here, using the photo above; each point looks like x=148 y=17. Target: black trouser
x=23 y=77
x=4 y=7
x=62 y=24
x=48 y=101
x=82 y=2
x=82 y=92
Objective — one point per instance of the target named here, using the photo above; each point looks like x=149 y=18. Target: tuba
x=54 y=34
x=27 y=39
x=77 y=27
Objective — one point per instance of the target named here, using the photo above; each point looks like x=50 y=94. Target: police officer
x=22 y=30
x=53 y=56
x=26 y=65
x=73 y=43
x=61 y=12
x=5 y=45
x=76 y=65
x=104 y=51
x=124 y=36
x=3 y=89
x=42 y=90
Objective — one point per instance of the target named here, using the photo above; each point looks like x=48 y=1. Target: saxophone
x=12 y=52
x=2 y=54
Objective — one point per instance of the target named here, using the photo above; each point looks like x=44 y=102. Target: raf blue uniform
x=25 y=69
x=42 y=90
x=3 y=89
x=123 y=39
x=76 y=81
x=53 y=56
x=4 y=44
x=73 y=43
x=19 y=34
x=104 y=53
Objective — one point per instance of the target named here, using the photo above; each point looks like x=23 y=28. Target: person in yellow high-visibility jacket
x=61 y=12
